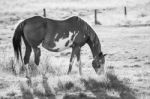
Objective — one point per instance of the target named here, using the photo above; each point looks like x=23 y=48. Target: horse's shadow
x=99 y=90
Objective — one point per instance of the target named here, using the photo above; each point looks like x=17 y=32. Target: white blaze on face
x=101 y=70
x=60 y=44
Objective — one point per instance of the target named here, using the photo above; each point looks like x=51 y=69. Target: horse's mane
x=86 y=28
x=93 y=38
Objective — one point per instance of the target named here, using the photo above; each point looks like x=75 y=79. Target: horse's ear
x=100 y=54
x=104 y=55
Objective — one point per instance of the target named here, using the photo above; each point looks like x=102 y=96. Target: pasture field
x=128 y=58
x=127 y=63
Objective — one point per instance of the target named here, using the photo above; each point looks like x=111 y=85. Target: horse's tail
x=17 y=40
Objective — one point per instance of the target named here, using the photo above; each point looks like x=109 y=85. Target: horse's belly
x=62 y=45
x=59 y=45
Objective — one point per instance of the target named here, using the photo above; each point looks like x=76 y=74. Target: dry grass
x=55 y=66
x=55 y=82
x=98 y=88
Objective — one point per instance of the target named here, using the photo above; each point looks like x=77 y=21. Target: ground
x=127 y=60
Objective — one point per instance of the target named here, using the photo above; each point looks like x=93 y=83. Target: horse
x=56 y=36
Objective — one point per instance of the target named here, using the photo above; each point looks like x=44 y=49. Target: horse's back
x=69 y=21
x=72 y=19
x=34 y=19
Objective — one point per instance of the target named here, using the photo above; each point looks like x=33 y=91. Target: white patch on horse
x=56 y=36
x=60 y=44
x=75 y=34
x=84 y=36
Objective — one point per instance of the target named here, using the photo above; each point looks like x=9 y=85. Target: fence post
x=125 y=11
x=95 y=16
x=44 y=12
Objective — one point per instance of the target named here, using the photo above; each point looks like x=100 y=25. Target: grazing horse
x=55 y=36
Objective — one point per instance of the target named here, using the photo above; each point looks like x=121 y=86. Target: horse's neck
x=95 y=45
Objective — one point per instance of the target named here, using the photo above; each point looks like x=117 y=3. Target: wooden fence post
x=125 y=11
x=44 y=12
x=95 y=16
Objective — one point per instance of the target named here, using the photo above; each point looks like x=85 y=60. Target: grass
x=98 y=88
x=55 y=82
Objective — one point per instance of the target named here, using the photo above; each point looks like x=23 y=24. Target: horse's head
x=98 y=62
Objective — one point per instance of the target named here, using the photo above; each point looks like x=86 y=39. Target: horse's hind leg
x=37 y=54
x=27 y=54
x=27 y=57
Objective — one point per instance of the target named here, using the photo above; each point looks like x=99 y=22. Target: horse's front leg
x=75 y=52
x=79 y=60
x=71 y=60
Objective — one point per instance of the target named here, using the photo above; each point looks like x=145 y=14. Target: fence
x=95 y=15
